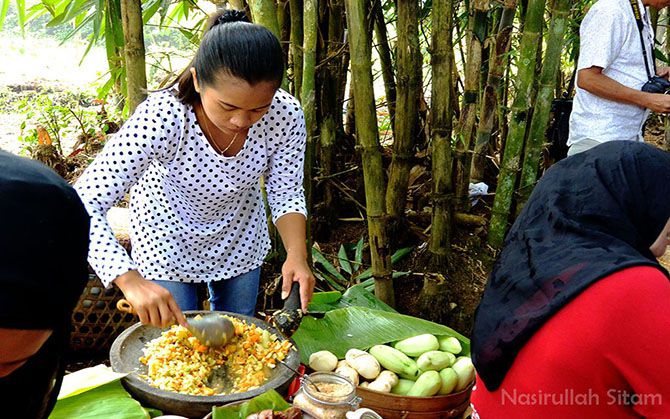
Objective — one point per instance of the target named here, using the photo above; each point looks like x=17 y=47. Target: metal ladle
x=212 y=330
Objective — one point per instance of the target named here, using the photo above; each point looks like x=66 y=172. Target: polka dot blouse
x=196 y=216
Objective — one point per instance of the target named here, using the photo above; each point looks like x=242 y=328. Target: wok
x=127 y=350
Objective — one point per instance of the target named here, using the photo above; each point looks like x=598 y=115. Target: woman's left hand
x=296 y=269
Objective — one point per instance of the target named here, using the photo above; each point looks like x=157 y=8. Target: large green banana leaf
x=360 y=327
x=354 y=296
x=109 y=401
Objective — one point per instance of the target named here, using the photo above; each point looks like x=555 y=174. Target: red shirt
x=604 y=355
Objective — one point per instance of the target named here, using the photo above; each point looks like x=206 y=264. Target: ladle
x=211 y=329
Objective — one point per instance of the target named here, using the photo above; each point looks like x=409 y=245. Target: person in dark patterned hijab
x=43 y=270
x=577 y=302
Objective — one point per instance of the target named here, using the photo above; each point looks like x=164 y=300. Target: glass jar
x=326 y=395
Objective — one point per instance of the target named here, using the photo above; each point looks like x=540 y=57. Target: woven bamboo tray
x=95 y=321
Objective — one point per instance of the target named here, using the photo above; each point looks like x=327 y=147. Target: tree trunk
x=511 y=161
x=368 y=138
x=386 y=62
x=296 y=45
x=477 y=34
x=491 y=99
x=407 y=114
x=440 y=129
x=136 y=71
x=538 y=126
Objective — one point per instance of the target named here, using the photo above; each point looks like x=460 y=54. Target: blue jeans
x=237 y=295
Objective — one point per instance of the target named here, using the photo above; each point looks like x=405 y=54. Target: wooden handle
x=125 y=306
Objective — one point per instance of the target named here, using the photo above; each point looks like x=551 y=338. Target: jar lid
x=330 y=389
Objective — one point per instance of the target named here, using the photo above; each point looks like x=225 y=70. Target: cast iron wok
x=127 y=350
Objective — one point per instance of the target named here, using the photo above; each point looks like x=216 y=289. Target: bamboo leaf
x=344 y=261
x=4 y=6
x=370 y=283
x=318 y=257
x=358 y=256
x=660 y=55
x=328 y=280
x=21 y=13
x=360 y=327
x=150 y=9
x=399 y=254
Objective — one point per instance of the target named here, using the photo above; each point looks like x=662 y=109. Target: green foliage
x=350 y=269
x=63 y=115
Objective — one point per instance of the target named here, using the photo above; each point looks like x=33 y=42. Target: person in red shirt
x=575 y=319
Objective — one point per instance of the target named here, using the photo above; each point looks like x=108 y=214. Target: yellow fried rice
x=176 y=361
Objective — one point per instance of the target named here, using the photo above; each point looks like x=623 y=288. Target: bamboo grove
x=397 y=93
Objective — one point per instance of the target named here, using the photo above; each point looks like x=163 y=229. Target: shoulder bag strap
x=640 y=27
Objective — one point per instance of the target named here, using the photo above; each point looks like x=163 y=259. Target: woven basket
x=95 y=321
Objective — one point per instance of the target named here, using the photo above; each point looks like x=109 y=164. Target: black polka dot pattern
x=196 y=216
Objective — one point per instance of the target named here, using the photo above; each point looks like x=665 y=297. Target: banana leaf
x=268 y=400
x=354 y=296
x=109 y=401
x=360 y=327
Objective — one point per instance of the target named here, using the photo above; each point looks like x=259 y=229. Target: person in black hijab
x=577 y=291
x=43 y=270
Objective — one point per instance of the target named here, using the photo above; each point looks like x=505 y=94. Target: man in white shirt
x=609 y=103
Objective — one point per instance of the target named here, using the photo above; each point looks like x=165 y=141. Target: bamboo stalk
x=296 y=45
x=284 y=22
x=491 y=98
x=368 y=139
x=264 y=13
x=386 y=62
x=407 y=114
x=136 y=69
x=441 y=127
x=521 y=107
x=308 y=100
x=330 y=108
x=477 y=31
x=538 y=126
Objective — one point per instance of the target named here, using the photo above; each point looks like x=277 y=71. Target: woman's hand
x=292 y=229
x=153 y=304
x=296 y=269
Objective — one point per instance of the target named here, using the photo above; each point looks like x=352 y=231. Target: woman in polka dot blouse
x=192 y=159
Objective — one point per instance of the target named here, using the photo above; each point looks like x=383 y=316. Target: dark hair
x=233 y=45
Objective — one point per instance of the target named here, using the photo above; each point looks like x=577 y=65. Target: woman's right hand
x=153 y=304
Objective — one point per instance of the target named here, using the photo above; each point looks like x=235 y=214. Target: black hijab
x=590 y=215
x=43 y=270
